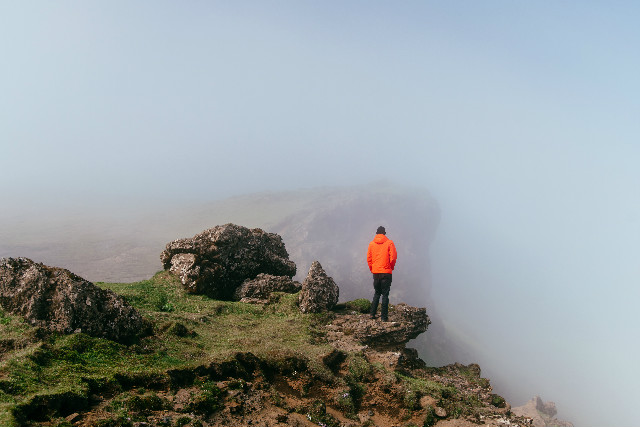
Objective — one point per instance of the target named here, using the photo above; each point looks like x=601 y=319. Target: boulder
x=58 y=300
x=405 y=323
x=218 y=260
x=319 y=292
x=263 y=284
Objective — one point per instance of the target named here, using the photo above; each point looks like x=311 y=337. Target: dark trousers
x=381 y=286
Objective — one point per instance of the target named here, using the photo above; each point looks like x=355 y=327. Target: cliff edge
x=285 y=354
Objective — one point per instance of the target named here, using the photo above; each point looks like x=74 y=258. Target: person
x=381 y=257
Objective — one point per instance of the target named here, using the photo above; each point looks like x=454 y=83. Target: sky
x=520 y=118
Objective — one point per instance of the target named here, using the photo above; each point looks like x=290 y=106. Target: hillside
x=215 y=363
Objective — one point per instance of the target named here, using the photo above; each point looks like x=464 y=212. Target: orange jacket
x=381 y=255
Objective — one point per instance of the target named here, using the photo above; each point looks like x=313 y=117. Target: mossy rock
x=498 y=401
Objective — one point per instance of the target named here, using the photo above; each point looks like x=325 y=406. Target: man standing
x=381 y=257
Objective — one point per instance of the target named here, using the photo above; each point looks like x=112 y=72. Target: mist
x=519 y=118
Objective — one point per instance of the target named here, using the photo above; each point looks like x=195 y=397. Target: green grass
x=190 y=331
x=424 y=386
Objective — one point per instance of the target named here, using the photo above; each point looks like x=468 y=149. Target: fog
x=520 y=118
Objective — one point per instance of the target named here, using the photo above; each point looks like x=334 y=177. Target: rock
x=546 y=408
x=541 y=413
x=218 y=260
x=319 y=292
x=428 y=402
x=73 y=417
x=405 y=323
x=58 y=300
x=440 y=412
x=264 y=284
x=409 y=359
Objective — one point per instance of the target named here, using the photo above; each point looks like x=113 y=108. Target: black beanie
x=381 y=230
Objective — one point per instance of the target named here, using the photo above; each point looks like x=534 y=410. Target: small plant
x=4 y=319
x=430 y=419
x=498 y=401
x=457 y=412
x=145 y=403
x=317 y=414
x=360 y=305
x=345 y=402
x=356 y=392
x=161 y=302
x=183 y=421
x=207 y=400
x=411 y=400
x=359 y=369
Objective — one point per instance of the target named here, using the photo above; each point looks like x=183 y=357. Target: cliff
x=266 y=361
x=215 y=363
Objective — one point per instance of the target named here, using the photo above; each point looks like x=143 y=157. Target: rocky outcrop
x=319 y=292
x=263 y=285
x=218 y=260
x=58 y=300
x=541 y=413
x=405 y=323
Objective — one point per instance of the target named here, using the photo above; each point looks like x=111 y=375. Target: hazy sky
x=521 y=118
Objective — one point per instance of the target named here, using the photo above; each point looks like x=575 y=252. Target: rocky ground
x=360 y=383
x=284 y=355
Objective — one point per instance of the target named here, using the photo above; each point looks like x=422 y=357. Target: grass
x=217 y=329
x=191 y=330
x=45 y=376
x=424 y=386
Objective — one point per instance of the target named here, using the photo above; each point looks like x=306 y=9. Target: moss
x=183 y=421
x=430 y=418
x=411 y=400
x=346 y=403
x=40 y=406
x=359 y=368
x=317 y=414
x=145 y=403
x=424 y=386
x=498 y=401
x=360 y=305
x=207 y=400
x=118 y=421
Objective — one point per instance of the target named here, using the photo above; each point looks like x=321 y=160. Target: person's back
x=381 y=258
x=381 y=255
